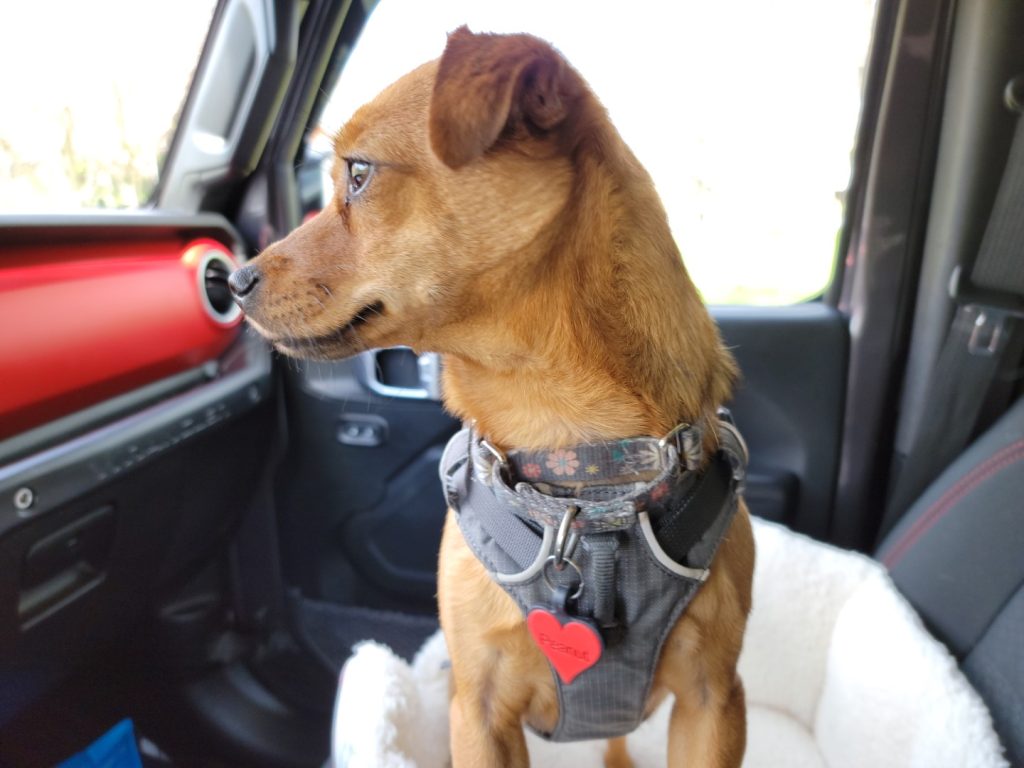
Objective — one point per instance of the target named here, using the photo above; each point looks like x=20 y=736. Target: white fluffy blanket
x=838 y=669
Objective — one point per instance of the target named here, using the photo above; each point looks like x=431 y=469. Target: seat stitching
x=997 y=456
x=993 y=465
x=947 y=502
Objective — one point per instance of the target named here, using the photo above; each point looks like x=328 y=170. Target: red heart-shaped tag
x=571 y=648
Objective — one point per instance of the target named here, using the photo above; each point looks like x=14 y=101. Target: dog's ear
x=487 y=82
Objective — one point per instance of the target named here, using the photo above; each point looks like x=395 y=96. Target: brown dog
x=487 y=209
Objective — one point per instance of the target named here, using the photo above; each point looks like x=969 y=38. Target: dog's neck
x=604 y=335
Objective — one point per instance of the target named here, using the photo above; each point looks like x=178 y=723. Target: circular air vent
x=212 y=275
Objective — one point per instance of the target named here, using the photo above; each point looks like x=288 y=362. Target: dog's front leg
x=709 y=730
x=617 y=755
x=477 y=742
x=489 y=697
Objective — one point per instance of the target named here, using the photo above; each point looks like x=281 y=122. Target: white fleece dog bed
x=838 y=669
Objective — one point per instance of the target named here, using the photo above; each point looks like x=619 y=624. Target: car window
x=89 y=105
x=744 y=113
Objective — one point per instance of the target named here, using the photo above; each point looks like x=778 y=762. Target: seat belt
x=985 y=337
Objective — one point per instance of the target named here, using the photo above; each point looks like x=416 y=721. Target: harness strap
x=639 y=545
x=680 y=528
x=599 y=600
x=518 y=539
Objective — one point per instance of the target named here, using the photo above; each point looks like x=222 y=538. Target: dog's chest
x=602 y=550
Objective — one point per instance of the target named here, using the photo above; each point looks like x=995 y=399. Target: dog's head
x=456 y=169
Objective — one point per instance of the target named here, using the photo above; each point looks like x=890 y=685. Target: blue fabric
x=114 y=749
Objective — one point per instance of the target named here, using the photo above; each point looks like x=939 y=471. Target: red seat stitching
x=991 y=466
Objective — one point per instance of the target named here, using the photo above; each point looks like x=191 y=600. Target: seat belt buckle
x=988 y=331
x=989 y=313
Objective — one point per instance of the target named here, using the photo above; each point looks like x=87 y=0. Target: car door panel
x=789 y=404
x=363 y=521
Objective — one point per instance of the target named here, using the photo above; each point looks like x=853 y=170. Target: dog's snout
x=243 y=281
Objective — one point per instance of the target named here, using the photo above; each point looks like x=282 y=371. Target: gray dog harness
x=602 y=546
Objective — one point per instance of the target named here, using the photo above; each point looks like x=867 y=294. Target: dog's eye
x=358 y=175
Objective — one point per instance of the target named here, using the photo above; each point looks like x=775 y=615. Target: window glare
x=744 y=113
x=89 y=96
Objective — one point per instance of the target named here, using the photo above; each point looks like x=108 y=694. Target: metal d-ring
x=566 y=539
x=673 y=433
x=547 y=579
x=688 y=447
x=496 y=452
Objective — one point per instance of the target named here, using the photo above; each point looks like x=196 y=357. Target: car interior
x=194 y=531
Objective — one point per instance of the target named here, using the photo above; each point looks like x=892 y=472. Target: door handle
x=424 y=383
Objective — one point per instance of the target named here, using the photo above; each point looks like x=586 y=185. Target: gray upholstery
x=958 y=556
x=996 y=668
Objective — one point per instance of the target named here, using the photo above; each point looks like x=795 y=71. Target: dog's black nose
x=242 y=282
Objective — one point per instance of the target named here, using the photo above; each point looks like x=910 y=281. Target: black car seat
x=958 y=556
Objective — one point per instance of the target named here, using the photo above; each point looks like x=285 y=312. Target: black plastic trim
x=880 y=286
x=65 y=472
x=325 y=22
x=74 y=424
x=239 y=715
x=272 y=89
x=355 y=22
x=52 y=229
x=867 y=127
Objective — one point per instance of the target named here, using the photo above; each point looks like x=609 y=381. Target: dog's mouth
x=341 y=342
